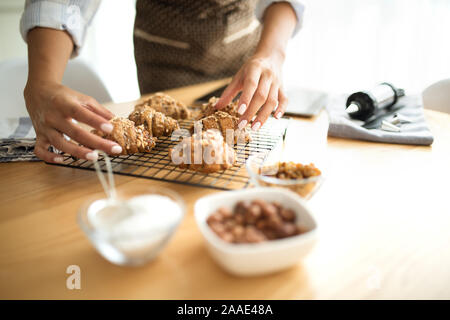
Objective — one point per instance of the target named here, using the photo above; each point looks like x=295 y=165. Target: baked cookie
x=130 y=137
x=225 y=120
x=205 y=152
x=165 y=104
x=209 y=108
x=226 y=124
x=156 y=123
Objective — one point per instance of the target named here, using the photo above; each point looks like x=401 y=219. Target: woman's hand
x=52 y=107
x=260 y=81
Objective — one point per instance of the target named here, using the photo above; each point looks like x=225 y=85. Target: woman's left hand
x=259 y=79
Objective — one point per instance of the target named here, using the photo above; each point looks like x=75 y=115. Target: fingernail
x=116 y=149
x=92 y=156
x=58 y=159
x=242 y=124
x=278 y=115
x=107 y=127
x=256 y=126
x=242 y=109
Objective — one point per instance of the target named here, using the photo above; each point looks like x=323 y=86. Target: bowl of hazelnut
x=303 y=179
x=256 y=231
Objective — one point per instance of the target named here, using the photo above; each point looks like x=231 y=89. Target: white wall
x=11 y=44
x=347 y=45
x=109 y=47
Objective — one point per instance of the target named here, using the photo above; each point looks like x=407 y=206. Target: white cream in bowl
x=132 y=232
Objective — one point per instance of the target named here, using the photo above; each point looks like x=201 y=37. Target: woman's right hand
x=52 y=107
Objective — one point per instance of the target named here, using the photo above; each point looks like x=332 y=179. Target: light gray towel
x=416 y=132
x=17 y=140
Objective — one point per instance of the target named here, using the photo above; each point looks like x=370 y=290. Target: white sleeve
x=73 y=16
x=299 y=8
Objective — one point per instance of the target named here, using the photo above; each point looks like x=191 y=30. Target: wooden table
x=383 y=215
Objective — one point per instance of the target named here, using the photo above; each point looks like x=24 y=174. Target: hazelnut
x=270 y=234
x=215 y=217
x=229 y=224
x=253 y=213
x=277 y=205
x=287 y=230
x=217 y=227
x=274 y=222
x=261 y=224
x=241 y=207
x=287 y=214
x=227 y=237
x=301 y=229
x=259 y=202
x=225 y=212
x=269 y=210
x=239 y=218
x=253 y=235
x=238 y=230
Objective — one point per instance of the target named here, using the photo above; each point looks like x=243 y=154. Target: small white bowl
x=259 y=258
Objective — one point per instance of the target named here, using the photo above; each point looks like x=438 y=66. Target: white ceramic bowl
x=260 y=258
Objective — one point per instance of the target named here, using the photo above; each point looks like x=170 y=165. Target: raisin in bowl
x=267 y=240
x=303 y=179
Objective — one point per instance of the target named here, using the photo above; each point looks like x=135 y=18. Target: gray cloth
x=416 y=132
x=17 y=140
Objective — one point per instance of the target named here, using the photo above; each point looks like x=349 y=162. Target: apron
x=183 y=42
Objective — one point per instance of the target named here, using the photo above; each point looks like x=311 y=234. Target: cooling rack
x=156 y=165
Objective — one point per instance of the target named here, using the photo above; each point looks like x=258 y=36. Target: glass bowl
x=132 y=230
x=256 y=165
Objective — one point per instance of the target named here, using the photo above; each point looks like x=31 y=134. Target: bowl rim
x=278 y=181
x=95 y=233
x=253 y=248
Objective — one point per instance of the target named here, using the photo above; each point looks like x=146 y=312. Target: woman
x=177 y=42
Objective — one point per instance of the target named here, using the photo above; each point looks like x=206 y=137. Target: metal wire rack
x=156 y=165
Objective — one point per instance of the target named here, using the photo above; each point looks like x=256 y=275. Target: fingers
x=56 y=139
x=230 y=92
x=250 y=84
x=92 y=105
x=282 y=104
x=258 y=99
x=85 y=115
x=41 y=151
x=86 y=138
x=267 y=108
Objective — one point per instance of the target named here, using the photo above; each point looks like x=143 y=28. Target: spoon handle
x=108 y=187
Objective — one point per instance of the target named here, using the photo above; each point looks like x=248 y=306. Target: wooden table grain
x=383 y=214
